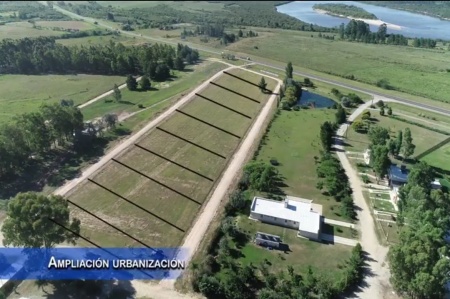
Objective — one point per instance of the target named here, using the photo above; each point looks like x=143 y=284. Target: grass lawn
x=177 y=209
x=339 y=231
x=422 y=138
x=80 y=25
x=22 y=93
x=383 y=205
x=131 y=99
x=427 y=118
x=391 y=231
x=439 y=158
x=380 y=195
x=101 y=40
x=302 y=252
x=293 y=139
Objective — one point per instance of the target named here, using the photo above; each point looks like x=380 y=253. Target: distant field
x=100 y=40
x=184 y=5
x=293 y=140
x=440 y=158
x=406 y=68
x=21 y=93
x=178 y=210
x=130 y=99
x=66 y=24
x=24 y=29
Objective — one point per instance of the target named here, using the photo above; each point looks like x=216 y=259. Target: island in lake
x=344 y=10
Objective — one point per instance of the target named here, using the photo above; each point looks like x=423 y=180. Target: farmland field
x=22 y=93
x=439 y=158
x=187 y=179
x=24 y=29
x=79 y=25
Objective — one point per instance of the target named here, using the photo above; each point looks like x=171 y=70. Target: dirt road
x=377 y=280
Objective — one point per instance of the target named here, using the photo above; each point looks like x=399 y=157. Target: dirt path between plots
x=376 y=282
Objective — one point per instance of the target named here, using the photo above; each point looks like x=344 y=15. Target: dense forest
x=43 y=55
x=340 y=9
x=241 y=13
x=440 y=9
x=419 y=262
x=25 y=10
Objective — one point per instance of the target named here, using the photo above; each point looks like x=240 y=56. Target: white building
x=293 y=212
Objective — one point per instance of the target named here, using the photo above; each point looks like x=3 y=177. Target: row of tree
x=357 y=30
x=419 y=262
x=44 y=55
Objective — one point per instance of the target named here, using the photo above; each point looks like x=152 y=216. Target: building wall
x=309 y=235
x=274 y=220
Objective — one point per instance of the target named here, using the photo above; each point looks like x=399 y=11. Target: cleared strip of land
x=165 y=178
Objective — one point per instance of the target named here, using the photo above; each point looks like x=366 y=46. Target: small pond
x=318 y=101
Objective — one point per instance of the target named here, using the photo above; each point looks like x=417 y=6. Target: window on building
x=285 y=221
x=295 y=222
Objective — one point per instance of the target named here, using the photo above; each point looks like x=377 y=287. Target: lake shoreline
x=376 y=22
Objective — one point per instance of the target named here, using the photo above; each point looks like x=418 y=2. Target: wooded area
x=340 y=9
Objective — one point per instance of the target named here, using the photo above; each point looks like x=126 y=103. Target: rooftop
x=297 y=209
x=398 y=174
x=269 y=237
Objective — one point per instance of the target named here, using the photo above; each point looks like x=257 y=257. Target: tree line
x=419 y=262
x=340 y=9
x=44 y=55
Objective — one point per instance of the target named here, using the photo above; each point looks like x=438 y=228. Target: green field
x=383 y=205
x=177 y=210
x=293 y=139
x=302 y=253
x=22 y=93
x=181 y=81
x=194 y=6
x=422 y=138
x=439 y=158
x=100 y=40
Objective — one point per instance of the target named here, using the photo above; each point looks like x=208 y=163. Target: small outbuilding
x=267 y=240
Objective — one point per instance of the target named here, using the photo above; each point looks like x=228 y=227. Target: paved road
x=338 y=240
x=256 y=60
x=339 y=223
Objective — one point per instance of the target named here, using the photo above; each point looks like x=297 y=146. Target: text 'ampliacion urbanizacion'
x=120 y=264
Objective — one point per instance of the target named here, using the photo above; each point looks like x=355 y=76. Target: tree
x=162 y=72
x=145 y=83
x=116 y=93
x=289 y=70
x=131 y=83
x=262 y=84
x=262 y=176
x=28 y=221
x=341 y=116
x=392 y=147
x=326 y=135
x=366 y=115
x=358 y=126
x=378 y=135
x=240 y=33
x=179 y=63
x=237 y=202
x=380 y=160
x=210 y=286
x=408 y=146
x=382 y=111
x=398 y=142
x=389 y=112
x=110 y=119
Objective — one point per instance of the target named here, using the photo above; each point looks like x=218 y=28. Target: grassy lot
x=439 y=158
x=22 y=93
x=390 y=231
x=181 y=81
x=178 y=210
x=339 y=231
x=302 y=253
x=17 y=30
x=101 y=40
x=427 y=118
x=383 y=205
x=422 y=138
x=80 y=25
x=293 y=139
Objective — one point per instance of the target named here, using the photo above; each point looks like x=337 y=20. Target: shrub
x=140 y=106
x=108 y=100
x=296 y=108
x=380 y=103
x=274 y=162
x=365 y=179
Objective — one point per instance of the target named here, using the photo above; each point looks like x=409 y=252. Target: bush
x=380 y=103
x=384 y=83
x=108 y=100
x=140 y=106
x=296 y=108
x=274 y=162
x=285 y=106
x=365 y=179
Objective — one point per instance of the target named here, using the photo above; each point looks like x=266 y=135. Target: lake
x=412 y=25
x=319 y=101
